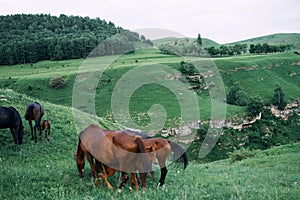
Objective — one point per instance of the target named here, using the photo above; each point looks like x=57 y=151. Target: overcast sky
x=222 y=21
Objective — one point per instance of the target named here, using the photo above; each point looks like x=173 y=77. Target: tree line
x=240 y=49
x=29 y=38
x=196 y=49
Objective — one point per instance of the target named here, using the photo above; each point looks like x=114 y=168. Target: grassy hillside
x=257 y=75
x=184 y=41
x=274 y=39
x=48 y=171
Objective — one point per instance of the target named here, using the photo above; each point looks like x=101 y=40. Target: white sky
x=222 y=21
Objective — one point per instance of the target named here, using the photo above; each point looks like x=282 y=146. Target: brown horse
x=118 y=150
x=159 y=148
x=10 y=118
x=34 y=111
x=162 y=149
x=45 y=125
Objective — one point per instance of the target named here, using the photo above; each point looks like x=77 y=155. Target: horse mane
x=12 y=108
x=16 y=113
x=138 y=133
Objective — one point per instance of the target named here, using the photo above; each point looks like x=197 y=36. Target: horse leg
x=104 y=176
x=80 y=159
x=37 y=126
x=124 y=181
x=48 y=134
x=93 y=168
x=134 y=182
x=162 y=157
x=13 y=132
x=31 y=128
x=163 y=175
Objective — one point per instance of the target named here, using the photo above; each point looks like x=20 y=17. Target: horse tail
x=143 y=156
x=179 y=154
x=80 y=158
x=29 y=112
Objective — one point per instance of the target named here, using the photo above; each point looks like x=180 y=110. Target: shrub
x=242 y=154
x=57 y=82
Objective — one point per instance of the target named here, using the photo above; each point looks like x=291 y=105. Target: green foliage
x=242 y=154
x=278 y=98
x=267 y=48
x=255 y=106
x=187 y=68
x=31 y=38
x=57 y=82
x=236 y=96
x=199 y=39
x=227 y=50
x=189 y=49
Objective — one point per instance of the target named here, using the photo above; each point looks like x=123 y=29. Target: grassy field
x=257 y=75
x=48 y=171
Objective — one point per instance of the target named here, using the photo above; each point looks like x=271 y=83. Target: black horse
x=10 y=118
x=34 y=111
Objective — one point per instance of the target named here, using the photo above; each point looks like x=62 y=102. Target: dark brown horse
x=10 y=118
x=34 y=111
x=118 y=150
x=45 y=125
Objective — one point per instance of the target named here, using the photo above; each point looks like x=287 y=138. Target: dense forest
x=30 y=38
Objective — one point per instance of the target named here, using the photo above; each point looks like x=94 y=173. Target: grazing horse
x=118 y=150
x=158 y=148
x=45 y=125
x=34 y=111
x=162 y=147
x=10 y=118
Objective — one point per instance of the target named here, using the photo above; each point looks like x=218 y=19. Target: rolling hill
x=184 y=41
x=48 y=170
x=274 y=39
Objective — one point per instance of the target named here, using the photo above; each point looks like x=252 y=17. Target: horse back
x=9 y=117
x=98 y=144
x=34 y=111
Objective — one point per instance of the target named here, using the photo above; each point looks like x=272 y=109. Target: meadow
x=48 y=170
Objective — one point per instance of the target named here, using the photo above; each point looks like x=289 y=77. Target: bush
x=242 y=154
x=57 y=82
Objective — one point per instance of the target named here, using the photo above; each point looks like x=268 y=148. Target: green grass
x=268 y=70
x=275 y=39
x=48 y=171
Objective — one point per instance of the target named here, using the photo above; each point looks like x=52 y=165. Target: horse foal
x=45 y=125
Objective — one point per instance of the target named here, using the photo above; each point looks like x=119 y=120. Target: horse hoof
x=119 y=190
x=131 y=189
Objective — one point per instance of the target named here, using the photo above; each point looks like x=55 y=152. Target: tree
x=199 y=39
x=278 y=98
x=255 y=106
x=187 y=68
x=236 y=96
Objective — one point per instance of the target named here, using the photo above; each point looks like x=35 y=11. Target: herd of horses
x=10 y=118
x=107 y=151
